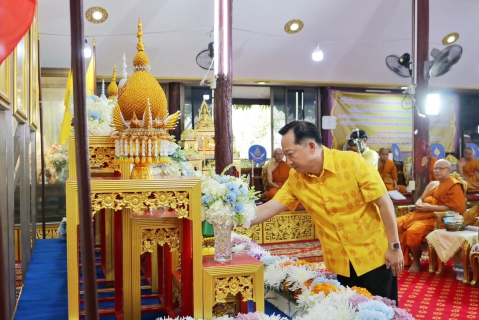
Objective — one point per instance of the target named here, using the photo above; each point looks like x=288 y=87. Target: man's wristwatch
x=395 y=246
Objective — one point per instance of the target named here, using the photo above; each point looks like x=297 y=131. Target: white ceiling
x=355 y=36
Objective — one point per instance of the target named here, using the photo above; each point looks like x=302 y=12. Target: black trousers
x=380 y=282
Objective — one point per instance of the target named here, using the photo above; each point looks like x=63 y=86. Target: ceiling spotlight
x=87 y=50
x=293 y=26
x=96 y=15
x=317 y=54
x=450 y=38
x=261 y=82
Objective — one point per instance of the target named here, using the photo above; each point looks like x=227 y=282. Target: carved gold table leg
x=466 y=249
x=432 y=259
x=154 y=270
x=440 y=267
x=474 y=258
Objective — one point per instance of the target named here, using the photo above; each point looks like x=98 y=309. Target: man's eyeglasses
x=439 y=168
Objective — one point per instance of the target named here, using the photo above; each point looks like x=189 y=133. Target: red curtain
x=16 y=16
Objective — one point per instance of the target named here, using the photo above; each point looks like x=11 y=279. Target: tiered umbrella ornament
x=141 y=118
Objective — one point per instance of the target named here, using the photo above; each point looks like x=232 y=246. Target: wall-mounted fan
x=402 y=66
x=443 y=61
x=205 y=58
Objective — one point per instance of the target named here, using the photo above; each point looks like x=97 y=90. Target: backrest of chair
x=463 y=182
x=264 y=177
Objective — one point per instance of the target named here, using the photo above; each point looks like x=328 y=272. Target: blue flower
x=239 y=207
x=95 y=115
x=244 y=191
x=321 y=279
x=269 y=259
x=223 y=180
x=376 y=306
x=206 y=200
x=370 y=315
x=230 y=197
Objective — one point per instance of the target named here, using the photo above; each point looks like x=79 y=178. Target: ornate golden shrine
x=129 y=200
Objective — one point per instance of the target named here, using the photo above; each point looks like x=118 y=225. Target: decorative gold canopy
x=141 y=118
x=141 y=86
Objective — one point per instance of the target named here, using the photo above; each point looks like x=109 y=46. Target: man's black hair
x=302 y=130
x=362 y=134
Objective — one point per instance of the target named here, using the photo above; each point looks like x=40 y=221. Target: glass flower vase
x=222 y=242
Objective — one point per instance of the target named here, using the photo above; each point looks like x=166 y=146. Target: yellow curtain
x=90 y=90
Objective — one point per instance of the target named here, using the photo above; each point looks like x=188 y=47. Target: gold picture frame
x=5 y=84
x=20 y=79
x=34 y=83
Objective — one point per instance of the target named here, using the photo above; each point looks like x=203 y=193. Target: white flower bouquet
x=57 y=156
x=178 y=164
x=99 y=112
x=227 y=200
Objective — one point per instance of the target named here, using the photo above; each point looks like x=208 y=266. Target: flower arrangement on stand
x=99 y=112
x=178 y=164
x=62 y=229
x=57 y=156
x=226 y=202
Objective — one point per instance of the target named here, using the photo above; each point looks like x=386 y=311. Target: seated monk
x=442 y=195
x=277 y=173
x=388 y=171
x=468 y=168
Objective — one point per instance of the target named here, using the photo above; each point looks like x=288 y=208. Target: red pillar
x=421 y=153
x=224 y=85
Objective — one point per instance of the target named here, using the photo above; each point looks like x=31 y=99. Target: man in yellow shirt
x=349 y=206
x=358 y=142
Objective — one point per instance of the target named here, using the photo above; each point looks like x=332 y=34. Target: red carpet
x=427 y=296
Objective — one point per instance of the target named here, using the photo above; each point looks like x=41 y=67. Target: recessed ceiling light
x=450 y=38
x=96 y=15
x=261 y=82
x=293 y=26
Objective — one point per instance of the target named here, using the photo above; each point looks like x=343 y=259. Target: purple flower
x=386 y=301
x=73 y=122
x=400 y=314
x=357 y=299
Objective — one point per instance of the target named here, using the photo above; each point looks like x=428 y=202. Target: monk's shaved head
x=442 y=163
x=383 y=150
x=278 y=151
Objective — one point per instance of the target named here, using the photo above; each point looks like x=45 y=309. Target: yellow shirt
x=348 y=223
x=371 y=156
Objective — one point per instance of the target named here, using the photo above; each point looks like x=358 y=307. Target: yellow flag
x=90 y=77
x=67 y=117
x=90 y=90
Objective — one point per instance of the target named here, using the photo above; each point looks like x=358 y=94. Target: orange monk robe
x=280 y=175
x=389 y=173
x=415 y=226
x=469 y=172
x=432 y=176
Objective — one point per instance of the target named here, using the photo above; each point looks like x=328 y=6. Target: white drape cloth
x=447 y=243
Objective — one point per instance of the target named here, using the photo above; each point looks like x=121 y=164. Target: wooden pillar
x=174 y=105
x=4 y=309
x=421 y=154
x=224 y=85
x=83 y=161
